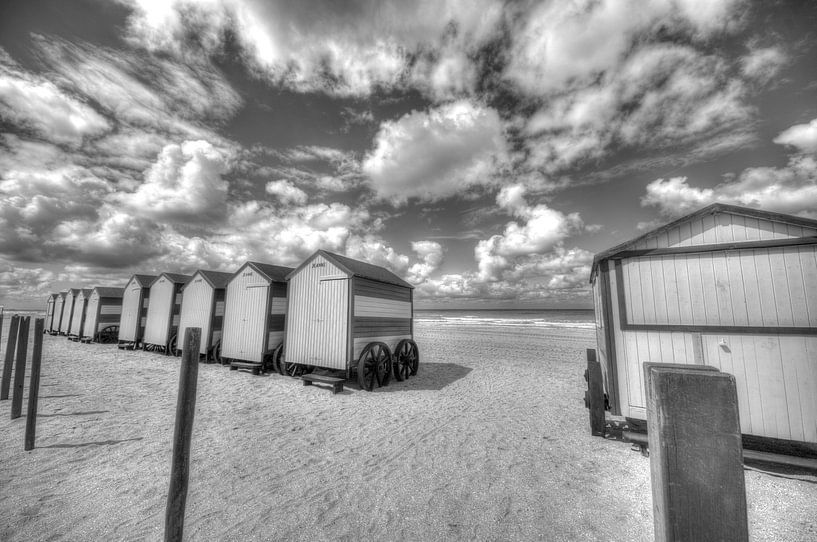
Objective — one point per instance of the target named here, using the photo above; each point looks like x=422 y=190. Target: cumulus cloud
x=185 y=184
x=762 y=64
x=800 y=136
x=436 y=154
x=373 y=249
x=791 y=189
x=33 y=102
x=430 y=254
x=286 y=192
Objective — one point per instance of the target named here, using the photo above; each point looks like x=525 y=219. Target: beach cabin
x=59 y=303
x=103 y=315
x=352 y=317
x=162 y=321
x=135 y=301
x=78 y=316
x=49 y=312
x=203 y=303
x=725 y=286
x=68 y=310
x=254 y=316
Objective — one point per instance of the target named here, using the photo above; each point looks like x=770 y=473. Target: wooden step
x=336 y=383
x=249 y=365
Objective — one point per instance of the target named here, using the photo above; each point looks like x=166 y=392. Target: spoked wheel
x=293 y=369
x=171 y=347
x=108 y=335
x=272 y=360
x=374 y=366
x=217 y=352
x=406 y=360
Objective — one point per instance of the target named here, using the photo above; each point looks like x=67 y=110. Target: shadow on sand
x=97 y=443
x=430 y=376
x=86 y=413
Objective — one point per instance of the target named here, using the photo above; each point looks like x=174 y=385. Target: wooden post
x=20 y=368
x=595 y=394
x=185 y=408
x=11 y=343
x=696 y=461
x=34 y=383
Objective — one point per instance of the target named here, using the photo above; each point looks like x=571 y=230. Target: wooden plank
x=808 y=263
x=710 y=291
x=34 y=385
x=669 y=312
x=632 y=287
x=20 y=369
x=11 y=345
x=765 y=289
x=696 y=288
x=796 y=286
x=717 y=247
x=723 y=288
x=647 y=290
x=684 y=292
x=685 y=233
x=773 y=388
x=595 y=390
x=737 y=297
x=793 y=362
x=696 y=461
x=780 y=283
x=807 y=388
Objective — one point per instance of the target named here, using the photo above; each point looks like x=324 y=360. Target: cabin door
x=331 y=323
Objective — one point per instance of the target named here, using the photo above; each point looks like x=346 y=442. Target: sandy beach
x=490 y=441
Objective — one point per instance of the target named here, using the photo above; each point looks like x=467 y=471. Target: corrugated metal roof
x=361 y=269
x=144 y=280
x=107 y=291
x=217 y=279
x=276 y=273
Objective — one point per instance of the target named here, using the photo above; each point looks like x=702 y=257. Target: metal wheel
x=272 y=359
x=107 y=335
x=406 y=360
x=217 y=352
x=171 y=347
x=374 y=366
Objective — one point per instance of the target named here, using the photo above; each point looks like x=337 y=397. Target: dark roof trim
x=173 y=277
x=273 y=273
x=356 y=268
x=108 y=291
x=216 y=279
x=708 y=210
x=144 y=280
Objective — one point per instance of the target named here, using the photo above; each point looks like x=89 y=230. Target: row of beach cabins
x=332 y=313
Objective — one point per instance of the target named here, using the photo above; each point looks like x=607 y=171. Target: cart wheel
x=294 y=369
x=171 y=347
x=270 y=362
x=374 y=366
x=406 y=360
x=108 y=335
x=277 y=357
x=217 y=352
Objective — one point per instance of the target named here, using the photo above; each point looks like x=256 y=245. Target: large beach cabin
x=347 y=315
x=78 y=317
x=135 y=301
x=49 y=312
x=255 y=312
x=728 y=287
x=163 y=312
x=59 y=303
x=68 y=310
x=203 y=302
x=103 y=315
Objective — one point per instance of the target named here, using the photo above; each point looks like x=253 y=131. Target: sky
x=483 y=150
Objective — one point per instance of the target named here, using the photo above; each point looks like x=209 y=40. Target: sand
x=490 y=441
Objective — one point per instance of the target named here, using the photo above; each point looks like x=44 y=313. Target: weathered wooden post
x=185 y=409
x=34 y=383
x=20 y=369
x=594 y=397
x=11 y=344
x=696 y=456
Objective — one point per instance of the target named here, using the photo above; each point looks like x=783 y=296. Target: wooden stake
x=11 y=343
x=185 y=409
x=20 y=368
x=696 y=461
x=595 y=394
x=34 y=384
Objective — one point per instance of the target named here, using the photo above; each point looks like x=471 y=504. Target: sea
x=541 y=318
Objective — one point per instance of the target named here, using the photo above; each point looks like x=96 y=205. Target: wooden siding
x=59 y=303
x=244 y=334
x=377 y=327
x=197 y=311
x=370 y=288
x=67 y=313
x=218 y=315
x=380 y=307
x=159 y=315
x=723 y=228
x=49 y=313
x=130 y=325
x=78 y=317
x=317 y=316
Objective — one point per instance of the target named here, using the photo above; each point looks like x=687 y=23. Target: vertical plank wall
x=771 y=287
x=276 y=321
x=245 y=317
x=68 y=310
x=129 y=322
x=59 y=303
x=162 y=298
x=196 y=310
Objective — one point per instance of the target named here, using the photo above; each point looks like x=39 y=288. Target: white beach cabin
x=725 y=286
x=49 y=312
x=162 y=322
x=135 y=301
x=68 y=310
x=59 y=303
x=254 y=316
x=103 y=315
x=350 y=316
x=203 y=302
x=78 y=317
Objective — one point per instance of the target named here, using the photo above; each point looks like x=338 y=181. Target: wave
x=507 y=322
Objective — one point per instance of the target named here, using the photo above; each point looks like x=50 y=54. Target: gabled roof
x=74 y=292
x=106 y=291
x=273 y=273
x=712 y=209
x=86 y=292
x=173 y=277
x=216 y=279
x=357 y=268
x=62 y=295
x=53 y=297
x=143 y=280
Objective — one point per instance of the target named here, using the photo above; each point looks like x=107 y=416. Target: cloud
x=372 y=249
x=32 y=102
x=437 y=154
x=801 y=136
x=286 y=192
x=431 y=256
x=791 y=189
x=185 y=184
x=763 y=64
